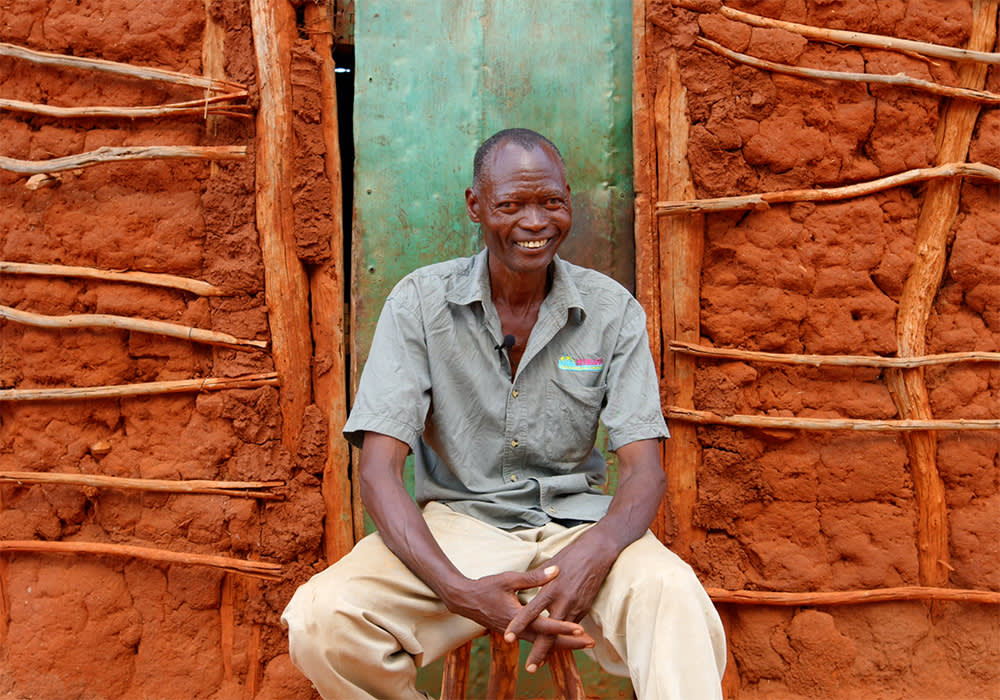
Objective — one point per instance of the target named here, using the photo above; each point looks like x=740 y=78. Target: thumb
x=537 y=577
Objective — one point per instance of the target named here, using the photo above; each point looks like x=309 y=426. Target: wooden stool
x=504 y=660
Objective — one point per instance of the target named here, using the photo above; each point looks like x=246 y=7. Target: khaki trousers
x=359 y=629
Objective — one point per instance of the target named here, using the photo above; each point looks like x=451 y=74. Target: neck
x=517 y=290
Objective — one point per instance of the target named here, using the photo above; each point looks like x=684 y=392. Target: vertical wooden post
x=647 y=239
x=4 y=599
x=647 y=260
x=255 y=665
x=227 y=625
x=286 y=284
x=681 y=245
x=327 y=283
x=937 y=215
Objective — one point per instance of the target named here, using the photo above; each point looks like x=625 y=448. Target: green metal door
x=434 y=78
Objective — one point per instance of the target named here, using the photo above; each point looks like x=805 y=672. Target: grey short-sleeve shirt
x=514 y=453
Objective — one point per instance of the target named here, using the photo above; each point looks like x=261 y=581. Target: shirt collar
x=475 y=286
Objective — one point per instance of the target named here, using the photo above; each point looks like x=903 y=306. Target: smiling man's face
x=522 y=203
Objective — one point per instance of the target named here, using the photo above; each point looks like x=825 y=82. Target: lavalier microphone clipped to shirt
x=506 y=344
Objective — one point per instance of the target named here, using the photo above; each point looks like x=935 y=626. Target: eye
x=554 y=202
x=506 y=207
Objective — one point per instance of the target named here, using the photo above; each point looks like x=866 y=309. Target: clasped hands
x=550 y=620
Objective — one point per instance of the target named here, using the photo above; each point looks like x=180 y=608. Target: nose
x=533 y=218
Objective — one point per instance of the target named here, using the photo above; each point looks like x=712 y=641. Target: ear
x=472 y=204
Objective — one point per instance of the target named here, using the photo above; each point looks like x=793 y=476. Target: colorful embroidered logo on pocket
x=581 y=364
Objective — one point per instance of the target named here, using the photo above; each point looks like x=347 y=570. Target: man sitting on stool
x=494 y=371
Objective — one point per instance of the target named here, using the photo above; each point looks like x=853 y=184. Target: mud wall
x=75 y=626
x=794 y=510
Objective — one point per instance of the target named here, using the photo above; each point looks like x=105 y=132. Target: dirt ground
x=781 y=510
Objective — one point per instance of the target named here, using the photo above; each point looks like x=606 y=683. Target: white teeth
x=532 y=244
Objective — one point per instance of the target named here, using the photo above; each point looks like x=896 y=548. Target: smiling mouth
x=532 y=245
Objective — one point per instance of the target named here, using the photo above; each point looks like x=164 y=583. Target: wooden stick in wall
x=172 y=330
x=934 y=226
x=114 y=154
x=133 y=277
x=123 y=69
x=686 y=415
x=220 y=105
x=764 y=199
x=286 y=284
x=175 y=386
x=898 y=80
x=257 y=569
x=876 y=595
x=237 y=489
x=327 y=284
x=832 y=360
x=875 y=41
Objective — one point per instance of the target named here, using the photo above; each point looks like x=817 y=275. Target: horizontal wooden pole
x=688 y=415
x=898 y=79
x=172 y=386
x=877 y=595
x=257 y=569
x=831 y=360
x=114 y=67
x=238 y=489
x=112 y=154
x=140 y=325
x=763 y=200
x=153 y=279
x=220 y=105
x=875 y=41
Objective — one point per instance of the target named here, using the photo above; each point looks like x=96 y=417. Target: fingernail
x=577 y=632
x=531 y=668
x=550 y=570
x=509 y=637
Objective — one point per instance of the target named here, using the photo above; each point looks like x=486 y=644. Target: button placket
x=512 y=457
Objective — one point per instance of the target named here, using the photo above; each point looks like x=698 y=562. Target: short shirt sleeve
x=394 y=393
x=633 y=410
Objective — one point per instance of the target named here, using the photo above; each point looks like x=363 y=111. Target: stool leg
x=504 y=657
x=455 y=677
x=565 y=675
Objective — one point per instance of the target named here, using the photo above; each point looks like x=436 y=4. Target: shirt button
x=514 y=393
x=514 y=443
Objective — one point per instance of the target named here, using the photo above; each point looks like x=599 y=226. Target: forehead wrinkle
x=518 y=190
x=526 y=163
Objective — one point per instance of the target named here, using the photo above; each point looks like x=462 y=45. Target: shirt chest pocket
x=571 y=415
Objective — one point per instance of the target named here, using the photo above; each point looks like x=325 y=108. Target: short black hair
x=525 y=138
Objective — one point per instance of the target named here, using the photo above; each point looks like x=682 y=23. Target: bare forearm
x=634 y=505
x=631 y=512
x=405 y=533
